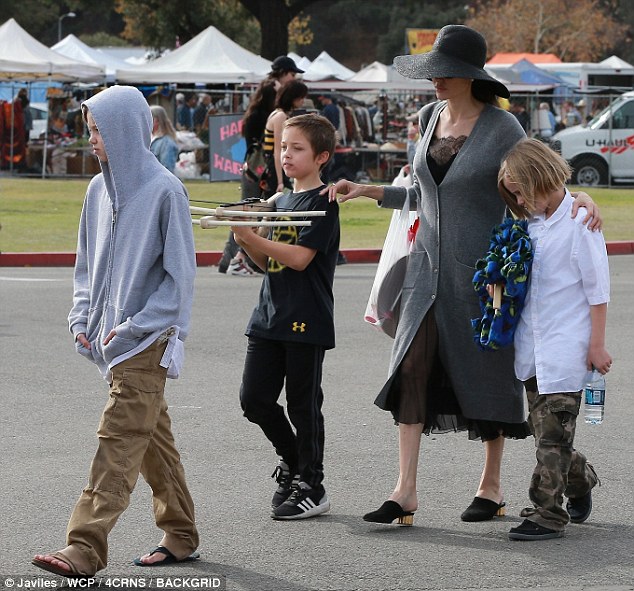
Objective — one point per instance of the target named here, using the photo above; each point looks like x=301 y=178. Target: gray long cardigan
x=455 y=228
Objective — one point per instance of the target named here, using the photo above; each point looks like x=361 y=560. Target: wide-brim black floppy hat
x=458 y=52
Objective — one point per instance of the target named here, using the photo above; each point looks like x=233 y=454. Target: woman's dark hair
x=289 y=93
x=484 y=92
x=263 y=100
x=260 y=107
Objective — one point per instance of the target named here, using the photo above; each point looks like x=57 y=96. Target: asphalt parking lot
x=52 y=399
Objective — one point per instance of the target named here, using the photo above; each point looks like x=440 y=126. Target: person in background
x=546 y=132
x=133 y=293
x=201 y=112
x=553 y=353
x=262 y=104
x=519 y=110
x=581 y=107
x=413 y=136
x=184 y=111
x=329 y=109
x=283 y=70
x=28 y=118
x=571 y=115
x=439 y=381
x=163 y=144
x=290 y=96
x=253 y=124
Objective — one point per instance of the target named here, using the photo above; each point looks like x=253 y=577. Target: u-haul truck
x=602 y=151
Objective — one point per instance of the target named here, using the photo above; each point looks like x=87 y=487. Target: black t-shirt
x=298 y=306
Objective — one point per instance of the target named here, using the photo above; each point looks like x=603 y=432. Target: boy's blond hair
x=319 y=132
x=536 y=169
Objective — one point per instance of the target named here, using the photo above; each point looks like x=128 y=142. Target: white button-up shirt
x=569 y=274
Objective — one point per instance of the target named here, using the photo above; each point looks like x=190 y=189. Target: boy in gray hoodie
x=133 y=291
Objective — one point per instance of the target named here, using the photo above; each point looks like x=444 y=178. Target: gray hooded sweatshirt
x=136 y=261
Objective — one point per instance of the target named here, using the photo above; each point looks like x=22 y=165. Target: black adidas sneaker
x=304 y=502
x=286 y=482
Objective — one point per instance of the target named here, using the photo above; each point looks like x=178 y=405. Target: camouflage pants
x=561 y=470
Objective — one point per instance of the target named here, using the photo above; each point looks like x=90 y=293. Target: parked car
x=39 y=113
x=602 y=150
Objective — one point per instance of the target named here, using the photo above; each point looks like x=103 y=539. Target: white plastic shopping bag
x=383 y=306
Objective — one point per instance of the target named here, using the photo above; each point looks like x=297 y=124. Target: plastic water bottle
x=594 y=398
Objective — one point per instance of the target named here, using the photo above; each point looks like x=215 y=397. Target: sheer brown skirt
x=420 y=391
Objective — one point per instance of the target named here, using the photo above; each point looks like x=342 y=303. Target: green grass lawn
x=41 y=215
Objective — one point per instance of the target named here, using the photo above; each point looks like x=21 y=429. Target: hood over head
x=124 y=120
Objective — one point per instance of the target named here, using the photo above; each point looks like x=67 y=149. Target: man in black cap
x=283 y=69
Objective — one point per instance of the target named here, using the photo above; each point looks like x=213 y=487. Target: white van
x=602 y=150
x=39 y=115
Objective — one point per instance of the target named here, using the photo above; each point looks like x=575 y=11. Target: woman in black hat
x=439 y=380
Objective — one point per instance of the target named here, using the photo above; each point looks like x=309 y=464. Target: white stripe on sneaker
x=307 y=504
x=302 y=509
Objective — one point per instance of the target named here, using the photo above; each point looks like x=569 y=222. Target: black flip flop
x=169 y=557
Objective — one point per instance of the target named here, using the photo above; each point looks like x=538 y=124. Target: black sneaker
x=304 y=502
x=529 y=530
x=580 y=508
x=286 y=483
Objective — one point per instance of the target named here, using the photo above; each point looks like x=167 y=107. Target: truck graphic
x=601 y=152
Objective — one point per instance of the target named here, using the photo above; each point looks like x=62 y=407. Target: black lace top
x=441 y=154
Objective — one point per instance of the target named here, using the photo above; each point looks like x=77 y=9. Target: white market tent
x=130 y=56
x=375 y=76
x=75 y=49
x=210 y=57
x=377 y=72
x=22 y=57
x=380 y=76
x=615 y=63
x=325 y=67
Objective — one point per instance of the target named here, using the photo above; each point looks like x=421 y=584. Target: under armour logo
x=299 y=327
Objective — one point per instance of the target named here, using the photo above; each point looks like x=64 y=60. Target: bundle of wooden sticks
x=250 y=213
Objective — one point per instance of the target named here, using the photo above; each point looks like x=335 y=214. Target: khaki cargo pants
x=561 y=469
x=135 y=436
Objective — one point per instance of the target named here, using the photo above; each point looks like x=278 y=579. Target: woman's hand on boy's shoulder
x=593 y=218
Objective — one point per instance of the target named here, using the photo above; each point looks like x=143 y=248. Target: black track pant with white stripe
x=268 y=363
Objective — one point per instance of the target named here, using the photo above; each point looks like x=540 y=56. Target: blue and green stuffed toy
x=508 y=261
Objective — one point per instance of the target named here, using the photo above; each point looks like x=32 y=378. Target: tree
x=357 y=32
x=162 y=24
x=435 y=16
x=574 y=30
x=624 y=47
x=274 y=17
x=40 y=17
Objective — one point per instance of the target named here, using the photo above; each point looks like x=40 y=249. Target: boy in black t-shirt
x=293 y=323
